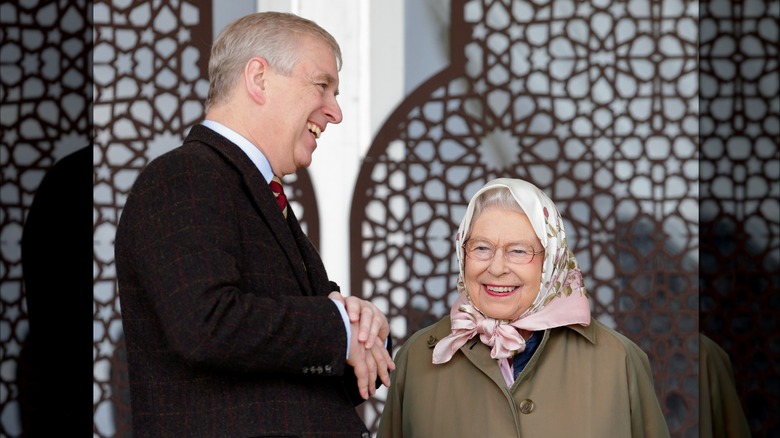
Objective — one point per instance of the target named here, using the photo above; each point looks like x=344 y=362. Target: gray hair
x=274 y=36
x=499 y=197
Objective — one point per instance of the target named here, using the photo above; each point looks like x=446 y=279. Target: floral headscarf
x=562 y=298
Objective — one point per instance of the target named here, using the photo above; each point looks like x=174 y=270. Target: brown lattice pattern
x=151 y=81
x=596 y=103
x=45 y=94
x=149 y=85
x=740 y=184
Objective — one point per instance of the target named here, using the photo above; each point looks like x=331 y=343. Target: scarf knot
x=468 y=322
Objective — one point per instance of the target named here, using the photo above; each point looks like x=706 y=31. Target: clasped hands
x=367 y=353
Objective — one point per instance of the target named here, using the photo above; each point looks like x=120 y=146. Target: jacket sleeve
x=206 y=267
x=647 y=418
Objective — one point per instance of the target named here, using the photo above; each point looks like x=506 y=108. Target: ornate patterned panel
x=149 y=87
x=740 y=185
x=596 y=103
x=151 y=62
x=45 y=95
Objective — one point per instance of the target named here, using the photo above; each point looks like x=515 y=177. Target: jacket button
x=365 y=435
x=432 y=340
x=305 y=370
x=328 y=369
x=319 y=370
x=526 y=406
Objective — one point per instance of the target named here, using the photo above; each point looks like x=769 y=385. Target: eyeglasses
x=517 y=253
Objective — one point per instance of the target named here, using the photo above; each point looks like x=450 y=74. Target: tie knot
x=281 y=199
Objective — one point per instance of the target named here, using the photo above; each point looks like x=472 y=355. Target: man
x=232 y=325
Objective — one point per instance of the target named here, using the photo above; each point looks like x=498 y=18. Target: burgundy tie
x=281 y=199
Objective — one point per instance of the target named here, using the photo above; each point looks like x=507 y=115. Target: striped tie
x=281 y=199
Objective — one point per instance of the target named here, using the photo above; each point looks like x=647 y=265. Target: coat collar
x=479 y=354
x=588 y=331
x=443 y=328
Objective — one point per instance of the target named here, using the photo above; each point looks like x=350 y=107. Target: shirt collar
x=254 y=153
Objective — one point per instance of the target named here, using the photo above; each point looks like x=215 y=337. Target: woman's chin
x=503 y=310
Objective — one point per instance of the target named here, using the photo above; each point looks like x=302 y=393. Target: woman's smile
x=499 y=291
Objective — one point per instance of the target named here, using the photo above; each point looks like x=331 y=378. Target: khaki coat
x=581 y=382
x=720 y=410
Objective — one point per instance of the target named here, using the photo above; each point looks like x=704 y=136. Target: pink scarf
x=558 y=303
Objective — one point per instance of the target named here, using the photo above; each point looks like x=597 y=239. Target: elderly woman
x=519 y=354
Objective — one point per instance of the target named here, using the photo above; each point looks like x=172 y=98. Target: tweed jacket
x=224 y=304
x=580 y=382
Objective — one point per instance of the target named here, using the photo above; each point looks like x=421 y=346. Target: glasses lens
x=519 y=254
x=480 y=250
x=514 y=253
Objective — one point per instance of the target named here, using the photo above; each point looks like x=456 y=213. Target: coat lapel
x=261 y=196
x=479 y=354
x=475 y=351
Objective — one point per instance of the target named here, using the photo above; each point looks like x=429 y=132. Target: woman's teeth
x=500 y=290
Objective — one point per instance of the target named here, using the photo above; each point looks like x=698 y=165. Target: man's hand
x=372 y=323
x=369 y=363
x=367 y=353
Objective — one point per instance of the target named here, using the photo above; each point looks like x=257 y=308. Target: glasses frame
x=503 y=251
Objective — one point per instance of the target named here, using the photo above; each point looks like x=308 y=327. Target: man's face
x=301 y=106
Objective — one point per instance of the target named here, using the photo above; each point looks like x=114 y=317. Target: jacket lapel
x=261 y=196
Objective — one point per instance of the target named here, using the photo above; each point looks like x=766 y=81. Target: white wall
x=371 y=36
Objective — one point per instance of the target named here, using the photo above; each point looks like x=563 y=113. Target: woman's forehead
x=503 y=222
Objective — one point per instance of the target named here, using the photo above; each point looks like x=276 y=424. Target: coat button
x=432 y=340
x=319 y=370
x=328 y=369
x=305 y=370
x=526 y=406
x=365 y=435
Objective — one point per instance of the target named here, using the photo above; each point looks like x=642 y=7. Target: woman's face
x=499 y=288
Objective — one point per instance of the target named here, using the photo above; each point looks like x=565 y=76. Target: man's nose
x=333 y=111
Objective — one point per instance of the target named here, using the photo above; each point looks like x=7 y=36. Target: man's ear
x=255 y=73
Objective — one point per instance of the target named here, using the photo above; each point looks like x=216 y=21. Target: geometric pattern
x=150 y=84
x=740 y=198
x=594 y=102
x=45 y=97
